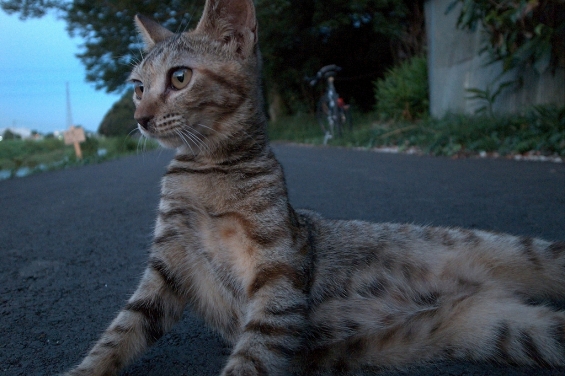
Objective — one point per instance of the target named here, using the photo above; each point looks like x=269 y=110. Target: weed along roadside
x=538 y=134
x=19 y=158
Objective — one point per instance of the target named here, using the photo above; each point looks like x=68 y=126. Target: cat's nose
x=144 y=121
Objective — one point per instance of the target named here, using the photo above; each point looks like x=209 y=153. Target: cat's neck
x=249 y=143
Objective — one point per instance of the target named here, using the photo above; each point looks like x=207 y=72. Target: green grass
x=302 y=128
x=52 y=153
x=540 y=129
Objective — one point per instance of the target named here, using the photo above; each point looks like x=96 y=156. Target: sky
x=37 y=59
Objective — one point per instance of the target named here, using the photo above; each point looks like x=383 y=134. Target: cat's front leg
x=275 y=324
x=155 y=306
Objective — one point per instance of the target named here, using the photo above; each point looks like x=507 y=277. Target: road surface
x=73 y=243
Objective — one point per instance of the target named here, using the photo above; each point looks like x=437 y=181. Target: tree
x=297 y=38
x=9 y=135
x=30 y=8
x=519 y=33
x=119 y=120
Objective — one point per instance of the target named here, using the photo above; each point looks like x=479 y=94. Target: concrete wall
x=454 y=65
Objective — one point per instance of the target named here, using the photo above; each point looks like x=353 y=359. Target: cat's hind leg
x=151 y=311
x=481 y=323
x=492 y=326
x=486 y=284
x=529 y=267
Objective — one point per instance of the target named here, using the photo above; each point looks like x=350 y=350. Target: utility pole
x=69 y=113
x=73 y=136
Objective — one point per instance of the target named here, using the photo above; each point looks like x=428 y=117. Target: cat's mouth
x=166 y=139
x=174 y=137
x=157 y=128
x=144 y=130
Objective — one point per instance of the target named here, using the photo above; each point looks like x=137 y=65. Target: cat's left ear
x=232 y=22
x=151 y=32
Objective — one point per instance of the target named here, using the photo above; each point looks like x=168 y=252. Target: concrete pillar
x=454 y=65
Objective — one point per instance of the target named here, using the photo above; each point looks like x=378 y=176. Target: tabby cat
x=291 y=291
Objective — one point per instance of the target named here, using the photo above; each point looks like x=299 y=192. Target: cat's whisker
x=190 y=138
x=132 y=132
x=131 y=61
x=139 y=143
x=183 y=25
x=202 y=138
x=207 y=127
x=212 y=140
x=183 y=139
x=129 y=135
x=145 y=140
x=190 y=15
x=200 y=133
x=197 y=140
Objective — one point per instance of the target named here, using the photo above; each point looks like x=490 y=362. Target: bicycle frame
x=331 y=98
x=331 y=112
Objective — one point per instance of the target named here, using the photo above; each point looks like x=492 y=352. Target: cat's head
x=199 y=90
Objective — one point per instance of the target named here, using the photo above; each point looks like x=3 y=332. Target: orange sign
x=74 y=135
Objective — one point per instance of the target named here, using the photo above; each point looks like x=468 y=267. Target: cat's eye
x=138 y=89
x=180 y=78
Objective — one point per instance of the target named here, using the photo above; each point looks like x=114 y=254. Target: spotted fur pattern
x=291 y=291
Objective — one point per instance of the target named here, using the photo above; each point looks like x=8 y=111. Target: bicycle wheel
x=345 y=118
x=322 y=115
x=328 y=119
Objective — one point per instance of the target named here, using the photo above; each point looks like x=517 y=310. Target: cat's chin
x=169 y=143
x=166 y=142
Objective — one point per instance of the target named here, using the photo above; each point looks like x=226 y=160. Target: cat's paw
x=80 y=372
x=241 y=367
x=72 y=373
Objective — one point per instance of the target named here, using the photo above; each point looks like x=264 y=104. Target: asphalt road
x=73 y=242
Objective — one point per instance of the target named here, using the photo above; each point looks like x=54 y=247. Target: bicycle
x=331 y=111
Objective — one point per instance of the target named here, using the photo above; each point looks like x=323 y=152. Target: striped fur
x=291 y=291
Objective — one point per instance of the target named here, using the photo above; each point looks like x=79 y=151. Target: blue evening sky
x=37 y=58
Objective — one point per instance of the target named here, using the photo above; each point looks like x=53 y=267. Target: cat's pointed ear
x=151 y=32
x=232 y=22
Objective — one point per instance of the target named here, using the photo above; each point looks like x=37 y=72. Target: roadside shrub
x=540 y=130
x=119 y=121
x=402 y=94
x=90 y=147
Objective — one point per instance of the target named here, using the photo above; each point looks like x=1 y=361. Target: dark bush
x=402 y=94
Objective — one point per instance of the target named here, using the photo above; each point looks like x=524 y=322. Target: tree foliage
x=119 y=120
x=518 y=32
x=30 y=8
